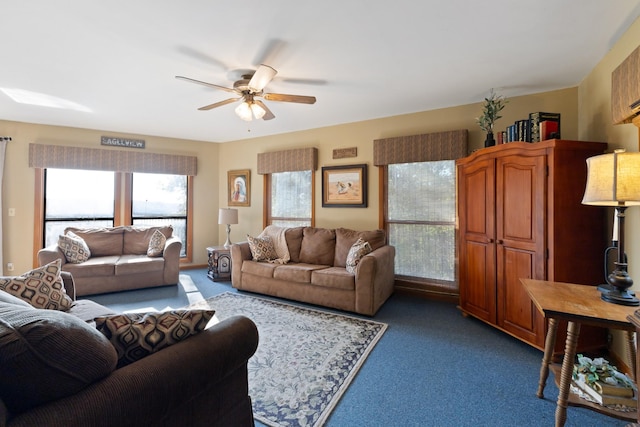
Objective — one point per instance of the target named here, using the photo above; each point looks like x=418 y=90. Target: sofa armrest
x=375 y=279
x=240 y=252
x=176 y=385
x=171 y=255
x=50 y=254
x=69 y=284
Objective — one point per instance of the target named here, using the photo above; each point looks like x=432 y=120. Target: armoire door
x=520 y=242
x=477 y=239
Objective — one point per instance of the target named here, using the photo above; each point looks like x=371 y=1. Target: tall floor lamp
x=228 y=216
x=614 y=180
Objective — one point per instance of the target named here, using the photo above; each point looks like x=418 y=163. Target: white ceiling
x=111 y=64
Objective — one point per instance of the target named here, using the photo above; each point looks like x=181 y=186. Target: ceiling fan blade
x=226 y=89
x=301 y=99
x=219 y=104
x=268 y=115
x=261 y=78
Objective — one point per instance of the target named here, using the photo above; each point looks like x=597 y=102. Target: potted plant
x=493 y=104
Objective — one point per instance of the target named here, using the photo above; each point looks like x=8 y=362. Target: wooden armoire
x=520 y=215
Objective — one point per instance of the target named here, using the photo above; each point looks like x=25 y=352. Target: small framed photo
x=344 y=186
x=239 y=187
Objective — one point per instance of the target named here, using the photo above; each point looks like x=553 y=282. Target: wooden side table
x=577 y=304
x=219 y=260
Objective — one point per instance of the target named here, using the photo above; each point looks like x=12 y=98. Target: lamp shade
x=227 y=216
x=613 y=180
x=244 y=111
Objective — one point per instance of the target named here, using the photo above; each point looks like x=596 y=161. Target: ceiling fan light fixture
x=258 y=111
x=244 y=111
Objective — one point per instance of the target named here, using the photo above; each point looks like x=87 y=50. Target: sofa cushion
x=136 y=239
x=262 y=248
x=134 y=264
x=46 y=355
x=74 y=248
x=94 y=266
x=262 y=269
x=87 y=310
x=101 y=241
x=41 y=287
x=318 y=246
x=345 y=238
x=334 y=277
x=300 y=273
x=293 y=236
x=359 y=249
x=136 y=335
x=156 y=244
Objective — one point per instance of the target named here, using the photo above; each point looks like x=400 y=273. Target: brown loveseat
x=201 y=381
x=119 y=259
x=316 y=272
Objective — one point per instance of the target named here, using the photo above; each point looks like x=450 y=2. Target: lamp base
x=605 y=287
x=623 y=298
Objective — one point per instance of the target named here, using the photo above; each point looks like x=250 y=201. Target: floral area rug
x=305 y=360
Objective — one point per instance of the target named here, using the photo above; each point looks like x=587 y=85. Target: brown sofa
x=201 y=381
x=316 y=272
x=119 y=259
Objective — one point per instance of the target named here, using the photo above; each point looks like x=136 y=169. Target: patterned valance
x=301 y=159
x=65 y=157
x=427 y=147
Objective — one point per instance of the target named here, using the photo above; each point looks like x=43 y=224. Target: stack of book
x=539 y=126
x=607 y=394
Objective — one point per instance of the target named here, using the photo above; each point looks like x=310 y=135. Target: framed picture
x=344 y=186
x=239 y=187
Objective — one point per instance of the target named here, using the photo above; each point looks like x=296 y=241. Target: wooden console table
x=578 y=305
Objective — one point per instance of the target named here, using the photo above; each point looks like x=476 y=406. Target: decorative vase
x=489 y=142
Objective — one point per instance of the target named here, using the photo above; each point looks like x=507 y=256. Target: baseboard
x=427 y=293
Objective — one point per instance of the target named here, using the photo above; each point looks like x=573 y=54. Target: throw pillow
x=136 y=335
x=41 y=287
x=262 y=248
x=156 y=244
x=359 y=249
x=74 y=248
x=46 y=355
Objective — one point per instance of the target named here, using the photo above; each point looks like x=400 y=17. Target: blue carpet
x=433 y=367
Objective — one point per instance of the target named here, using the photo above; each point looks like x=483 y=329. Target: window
x=87 y=198
x=421 y=210
x=77 y=198
x=160 y=200
x=290 y=198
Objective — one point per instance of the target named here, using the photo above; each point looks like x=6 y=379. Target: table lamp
x=614 y=180
x=228 y=216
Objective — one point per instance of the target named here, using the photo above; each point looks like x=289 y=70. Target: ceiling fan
x=248 y=89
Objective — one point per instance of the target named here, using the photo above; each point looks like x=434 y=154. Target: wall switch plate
x=12 y=212
x=9 y=266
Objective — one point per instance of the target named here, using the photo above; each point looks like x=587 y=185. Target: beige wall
x=243 y=154
x=594 y=100
x=18 y=185
x=214 y=160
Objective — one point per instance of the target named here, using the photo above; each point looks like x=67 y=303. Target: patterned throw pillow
x=262 y=248
x=359 y=249
x=156 y=244
x=41 y=287
x=74 y=248
x=136 y=335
